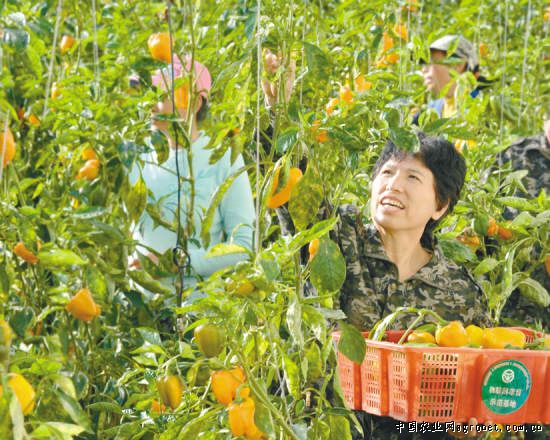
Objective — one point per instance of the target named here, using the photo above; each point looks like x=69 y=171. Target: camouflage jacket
x=372 y=288
x=531 y=154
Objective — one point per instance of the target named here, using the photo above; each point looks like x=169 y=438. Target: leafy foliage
x=97 y=379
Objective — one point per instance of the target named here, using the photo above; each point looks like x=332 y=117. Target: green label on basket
x=506 y=387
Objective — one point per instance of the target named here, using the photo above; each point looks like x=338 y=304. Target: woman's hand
x=272 y=62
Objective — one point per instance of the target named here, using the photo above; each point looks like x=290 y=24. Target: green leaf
x=507 y=284
x=214 y=202
x=81 y=384
x=17 y=419
x=146 y=359
x=148 y=348
x=148 y=282
x=404 y=138
x=20 y=320
x=190 y=429
x=16 y=38
x=65 y=383
x=129 y=151
x=392 y=117
x=95 y=281
x=34 y=62
x=314 y=319
x=49 y=430
x=270 y=266
x=263 y=419
x=300 y=430
x=534 y=292
x=29 y=211
x=226 y=249
x=306 y=198
x=125 y=430
x=316 y=231
x=517 y=203
x=294 y=320
x=314 y=362
x=317 y=62
x=332 y=314
x=286 y=140
x=523 y=219
x=434 y=127
x=339 y=427
x=352 y=343
x=59 y=258
x=328 y=268
x=136 y=199
x=44 y=367
x=111 y=233
x=456 y=250
x=292 y=376
x=108 y=407
x=481 y=223
x=4 y=279
x=515 y=177
x=89 y=212
x=485 y=266
x=72 y=407
x=150 y=335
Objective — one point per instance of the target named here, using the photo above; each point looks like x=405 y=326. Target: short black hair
x=203 y=111
x=447 y=166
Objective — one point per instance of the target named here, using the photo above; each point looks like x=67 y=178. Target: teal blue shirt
x=234 y=217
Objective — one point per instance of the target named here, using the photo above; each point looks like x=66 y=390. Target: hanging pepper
x=5 y=340
x=83 y=306
x=210 y=339
x=23 y=390
x=225 y=384
x=25 y=254
x=170 y=389
x=241 y=417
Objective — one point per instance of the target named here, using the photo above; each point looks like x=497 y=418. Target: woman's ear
x=199 y=103
x=440 y=212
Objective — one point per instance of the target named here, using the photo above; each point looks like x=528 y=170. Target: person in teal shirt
x=234 y=217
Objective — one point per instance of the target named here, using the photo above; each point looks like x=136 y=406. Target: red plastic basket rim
x=413 y=349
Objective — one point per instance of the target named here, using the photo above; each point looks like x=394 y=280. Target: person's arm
x=237 y=215
x=476 y=312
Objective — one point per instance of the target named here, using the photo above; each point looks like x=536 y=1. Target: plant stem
x=263 y=398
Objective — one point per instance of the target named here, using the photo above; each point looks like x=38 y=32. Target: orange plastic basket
x=350 y=380
x=438 y=384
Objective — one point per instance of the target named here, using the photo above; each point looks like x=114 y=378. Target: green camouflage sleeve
x=357 y=299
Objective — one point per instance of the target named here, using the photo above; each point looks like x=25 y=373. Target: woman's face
x=437 y=75
x=403 y=196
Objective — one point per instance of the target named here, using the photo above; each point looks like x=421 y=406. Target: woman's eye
x=386 y=171
x=412 y=176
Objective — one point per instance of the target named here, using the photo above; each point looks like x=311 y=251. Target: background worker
x=441 y=70
x=234 y=217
